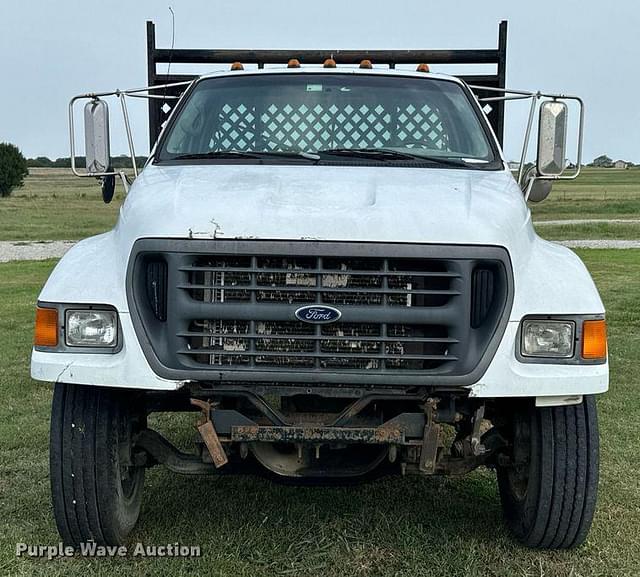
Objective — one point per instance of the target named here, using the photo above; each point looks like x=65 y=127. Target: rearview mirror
x=552 y=138
x=96 y=136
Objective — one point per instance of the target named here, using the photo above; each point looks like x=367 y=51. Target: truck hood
x=390 y=204
x=329 y=203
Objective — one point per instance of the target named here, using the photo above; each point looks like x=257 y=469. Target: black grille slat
x=323 y=338
x=196 y=268
x=188 y=286
x=448 y=314
x=330 y=355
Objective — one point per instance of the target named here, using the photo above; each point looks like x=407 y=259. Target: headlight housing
x=548 y=338
x=91 y=328
x=566 y=339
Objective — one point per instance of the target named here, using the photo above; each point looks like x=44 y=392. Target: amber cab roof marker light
x=293 y=63
x=329 y=63
x=237 y=66
x=594 y=339
x=422 y=68
x=366 y=64
x=46 y=330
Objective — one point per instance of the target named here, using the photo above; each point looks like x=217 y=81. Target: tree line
x=122 y=161
x=603 y=161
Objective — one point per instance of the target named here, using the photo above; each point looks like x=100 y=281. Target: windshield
x=344 y=118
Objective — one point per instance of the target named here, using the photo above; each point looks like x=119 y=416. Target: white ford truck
x=330 y=263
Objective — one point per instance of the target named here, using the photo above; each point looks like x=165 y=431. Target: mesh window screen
x=301 y=126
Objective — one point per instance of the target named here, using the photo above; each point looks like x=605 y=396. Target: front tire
x=549 y=488
x=96 y=488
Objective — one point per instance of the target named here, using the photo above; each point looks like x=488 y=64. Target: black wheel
x=95 y=487
x=549 y=488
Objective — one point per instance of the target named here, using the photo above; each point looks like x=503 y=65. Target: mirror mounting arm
x=125 y=115
x=126 y=183
x=523 y=156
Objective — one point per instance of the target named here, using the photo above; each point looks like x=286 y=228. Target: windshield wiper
x=388 y=154
x=382 y=154
x=376 y=154
x=215 y=154
x=253 y=154
x=446 y=160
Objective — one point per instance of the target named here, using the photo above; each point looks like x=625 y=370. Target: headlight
x=91 y=328
x=544 y=338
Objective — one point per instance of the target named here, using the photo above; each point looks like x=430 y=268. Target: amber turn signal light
x=594 y=339
x=46 y=332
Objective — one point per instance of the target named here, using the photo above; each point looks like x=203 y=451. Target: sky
x=52 y=51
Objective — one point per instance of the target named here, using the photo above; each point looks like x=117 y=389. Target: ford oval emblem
x=318 y=314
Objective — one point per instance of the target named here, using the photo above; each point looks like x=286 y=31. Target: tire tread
x=84 y=470
x=560 y=501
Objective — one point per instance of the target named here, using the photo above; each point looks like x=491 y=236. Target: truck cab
x=336 y=271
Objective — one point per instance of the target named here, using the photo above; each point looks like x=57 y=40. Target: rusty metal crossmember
x=313 y=434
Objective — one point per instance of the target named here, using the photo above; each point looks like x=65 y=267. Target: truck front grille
x=229 y=309
x=304 y=280
x=361 y=346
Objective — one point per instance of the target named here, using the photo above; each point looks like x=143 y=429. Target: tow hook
x=209 y=435
x=477 y=448
x=430 y=439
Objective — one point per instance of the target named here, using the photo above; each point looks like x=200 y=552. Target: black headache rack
x=160 y=108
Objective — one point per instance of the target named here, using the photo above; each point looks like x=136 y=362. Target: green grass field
x=55 y=205
x=393 y=527
x=592 y=230
x=596 y=193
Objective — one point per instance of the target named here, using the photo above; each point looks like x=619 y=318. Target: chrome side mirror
x=96 y=137
x=97 y=141
x=552 y=138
